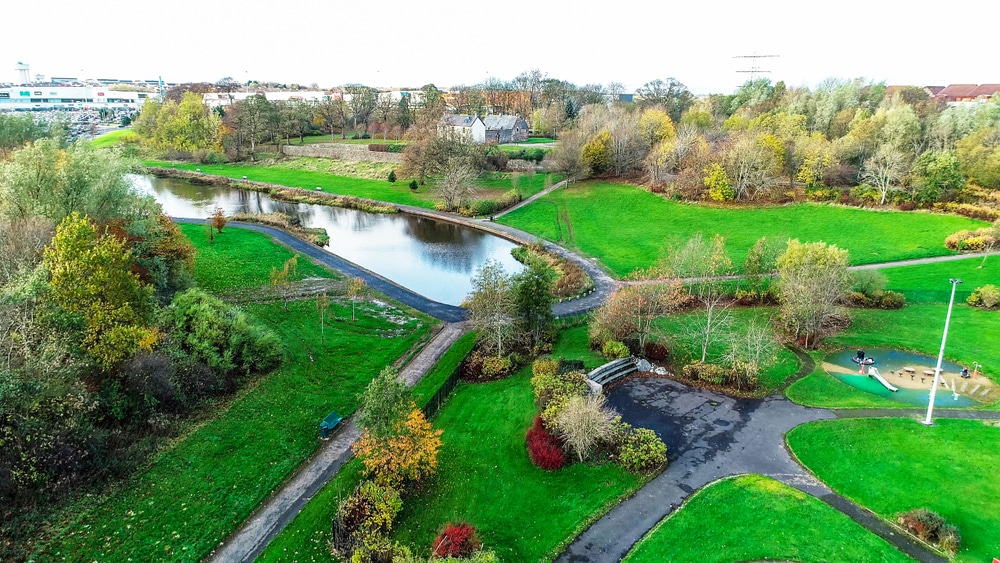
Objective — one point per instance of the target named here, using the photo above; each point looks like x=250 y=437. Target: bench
x=329 y=423
x=612 y=371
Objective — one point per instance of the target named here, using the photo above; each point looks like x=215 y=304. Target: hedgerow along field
x=896 y=465
x=202 y=488
x=491 y=184
x=626 y=227
x=754 y=518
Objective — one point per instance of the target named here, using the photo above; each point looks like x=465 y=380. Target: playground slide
x=873 y=372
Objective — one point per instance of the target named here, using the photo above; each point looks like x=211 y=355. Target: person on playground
x=861 y=356
x=965 y=373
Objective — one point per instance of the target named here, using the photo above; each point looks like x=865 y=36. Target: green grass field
x=485 y=478
x=114 y=138
x=201 y=488
x=929 y=282
x=240 y=258
x=782 y=365
x=895 y=465
x=627 y=228
x=308 y=174
x=754 y=518
x=307 y=536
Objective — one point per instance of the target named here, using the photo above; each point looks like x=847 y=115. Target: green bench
x=329 y=423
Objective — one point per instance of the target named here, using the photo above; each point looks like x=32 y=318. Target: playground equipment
x=873 y=373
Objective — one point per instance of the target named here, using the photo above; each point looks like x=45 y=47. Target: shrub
x=392 y=177
x=545 y=366
x=584 y=423
x=414 y=185
x=614 y=350
x=496 y=367
x=548 y=387
x=656 y=351
x=969 y=210
x=567 y=366
x=378 y=147
x=396 y=147
x=986 y=297
x=710 y=373
x=869 y=282
x=456 y=540
x=544 y=449
x=931 y=527
x=472 y=366
x=642 y=450
x=364 y=520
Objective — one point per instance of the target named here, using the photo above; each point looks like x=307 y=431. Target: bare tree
x=750 y=166
x=458 y=184
x=357 y=290
x=630 y=312
x=748 y=352
x=885 y=169
x=703 y=265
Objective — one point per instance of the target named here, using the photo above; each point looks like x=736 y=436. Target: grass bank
x=895 y=465
x=628 y=228
x=928 y=283
x=114 y=138
x=754 y=518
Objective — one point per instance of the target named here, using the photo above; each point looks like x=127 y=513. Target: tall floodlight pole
x=937 y=371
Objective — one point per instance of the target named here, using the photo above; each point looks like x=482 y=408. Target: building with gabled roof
x=967 y=93
x=505 y=129
x=469 y=126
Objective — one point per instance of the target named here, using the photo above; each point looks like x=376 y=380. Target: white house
x=466 y=125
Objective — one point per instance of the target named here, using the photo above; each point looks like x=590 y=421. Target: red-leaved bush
x=456 y=540
x=544 y=449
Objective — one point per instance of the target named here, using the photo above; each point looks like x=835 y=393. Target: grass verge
x=628 y=228
x=894 y=465
x=754 y=518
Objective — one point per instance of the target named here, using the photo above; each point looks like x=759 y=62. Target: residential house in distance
x=955 y=94
x=505 y=129
x=469 y=126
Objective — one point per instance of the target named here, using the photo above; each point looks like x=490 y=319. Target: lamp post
x=937 y=371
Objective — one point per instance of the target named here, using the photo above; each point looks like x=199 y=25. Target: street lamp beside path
x=937 y=371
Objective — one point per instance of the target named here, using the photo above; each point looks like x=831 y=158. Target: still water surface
x=433 y=258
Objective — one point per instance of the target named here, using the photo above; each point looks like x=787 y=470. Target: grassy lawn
x=485 y=478
x=307 y=536
x=537 y=140
x=627 y=228
x=348 y=178
x=929 y=282
x=241 y=258
x=114 y=138
x=753 y=518
x=572 y=344
x=895 y=465
x=784 y=363
x=200 y=489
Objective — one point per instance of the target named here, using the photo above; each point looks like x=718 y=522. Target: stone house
x=505 y=129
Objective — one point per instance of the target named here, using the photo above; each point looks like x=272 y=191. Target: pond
x=434 y=258
x=912 y=374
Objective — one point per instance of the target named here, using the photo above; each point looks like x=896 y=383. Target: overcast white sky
x=414 y=42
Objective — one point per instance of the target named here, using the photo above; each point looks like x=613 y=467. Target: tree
x=280 y=279
x=748 y=351
x=935 y=172
x=392 y=177
x=979 y=156
x=322 y=304
x=812 y=281
x=630 y=311
x=91 y=276
x=760 y=263
x=46 y=180
x=533 y=297
x=584 y=423
x=227 y=86
x=703 y=264
x=750 y=166
x=357 y=290
x=492 y=307
x=252 y=120
x=218 y=219
x=331 y=114
x=458 y=185
x=671 y=94
x=656 y=127
x=597 y=154
x=384 y=404
x=717 y=182
x=19 y=130
x=362 y=103
x=885 y=169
